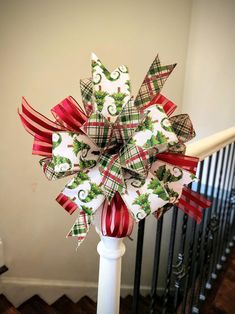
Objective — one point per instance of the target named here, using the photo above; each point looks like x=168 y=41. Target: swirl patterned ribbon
x=126 y=155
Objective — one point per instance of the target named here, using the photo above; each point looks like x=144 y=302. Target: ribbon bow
x=126 y=155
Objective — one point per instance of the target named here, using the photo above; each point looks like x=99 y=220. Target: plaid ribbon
x=178 y=148
x=153 y=82
x=86 y=88
x=183 y=127
x=112 y=176
x=48 y=169
x=81 y=227
x=127 y=122
x=136 y=159
x=98 y=129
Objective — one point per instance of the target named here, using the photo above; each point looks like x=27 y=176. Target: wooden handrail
x=211 y=144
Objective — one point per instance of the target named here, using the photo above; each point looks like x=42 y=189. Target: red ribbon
x=185 y=162
x=66 y=203
x=69 y=114
x=192 y=203
x=168 y=106
x=69 y=117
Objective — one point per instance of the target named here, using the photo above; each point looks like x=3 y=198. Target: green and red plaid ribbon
x=126 y=156
x=153 y=82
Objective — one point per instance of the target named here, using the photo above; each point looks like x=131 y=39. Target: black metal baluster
x=191 y=248
x=179 y=269
x=138 y=264
x=207 y=241
x=215 y=221
x=224 y=209
x=220 y=215
x=170 y=258
x=225 y=248
x=157 y=252
x=197 y=268
x=231 y=233
x=232 y=223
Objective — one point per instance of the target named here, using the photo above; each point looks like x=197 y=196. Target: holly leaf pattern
x=143 y=201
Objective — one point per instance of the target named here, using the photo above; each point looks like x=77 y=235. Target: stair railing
x=196 y=253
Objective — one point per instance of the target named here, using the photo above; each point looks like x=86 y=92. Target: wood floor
x=220 y=301
x=222 y=298
x=64 y=305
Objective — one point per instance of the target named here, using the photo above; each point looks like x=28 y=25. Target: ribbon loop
x=69 y=114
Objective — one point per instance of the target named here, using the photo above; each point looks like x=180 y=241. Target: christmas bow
x=126 y=155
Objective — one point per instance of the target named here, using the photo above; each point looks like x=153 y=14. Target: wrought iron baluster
x=231 y=231
x=220 y=214
x=197 y=268
x=230 y=196
x=207 y=239
x=157 y=252
x=214 y=223
x=191 y=248
x=232 y=226
x=224 y=208
x=170 y=258
x=138 y=264
x=179 y=269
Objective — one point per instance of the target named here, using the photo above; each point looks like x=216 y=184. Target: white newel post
x=111 y=251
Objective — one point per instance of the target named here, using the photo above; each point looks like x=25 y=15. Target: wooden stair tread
x=87 y=305
x=64 y=305
x=126 y=304
x=6 y=307
x=35 y=305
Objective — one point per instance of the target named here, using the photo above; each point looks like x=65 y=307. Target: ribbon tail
x=81 y=227
x=193 y=203
x=153 y=82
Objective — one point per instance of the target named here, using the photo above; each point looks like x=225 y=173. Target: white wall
x=45 y=50
x=209 y=93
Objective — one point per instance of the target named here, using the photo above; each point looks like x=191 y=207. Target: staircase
x=64 y=305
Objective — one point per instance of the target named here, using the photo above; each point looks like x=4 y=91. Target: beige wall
x=209 y=94
x=45 y=50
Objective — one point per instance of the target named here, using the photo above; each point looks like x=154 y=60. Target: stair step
x=126 y=304
x=6 y=307
x=65 y=305
x=35 y=305
x=87 y=305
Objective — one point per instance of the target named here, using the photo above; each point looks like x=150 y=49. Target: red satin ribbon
x=192 y=203
x=69 y=114
x=66 y=203
x=41 y=148
x=188 y=163
x=38 y=118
